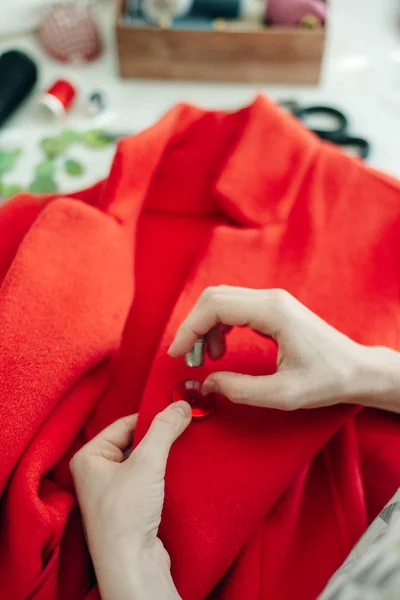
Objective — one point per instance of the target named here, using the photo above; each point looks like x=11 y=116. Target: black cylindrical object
x=216 y=9
x=18 y=75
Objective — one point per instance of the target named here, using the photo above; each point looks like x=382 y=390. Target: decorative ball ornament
x=69 y=34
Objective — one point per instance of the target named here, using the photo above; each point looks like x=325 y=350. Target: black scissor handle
x=341 y=122
x=361 y=145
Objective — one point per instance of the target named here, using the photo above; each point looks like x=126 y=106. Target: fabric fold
x=260 y=504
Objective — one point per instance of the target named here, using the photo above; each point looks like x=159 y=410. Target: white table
x=361 y=76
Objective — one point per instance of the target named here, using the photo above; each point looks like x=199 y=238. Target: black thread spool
x=18 y=75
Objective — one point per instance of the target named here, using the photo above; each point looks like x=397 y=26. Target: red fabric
x=259 y=504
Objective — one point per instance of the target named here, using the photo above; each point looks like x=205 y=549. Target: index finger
x=256 y=310
x=118 y=435
x=109 y=444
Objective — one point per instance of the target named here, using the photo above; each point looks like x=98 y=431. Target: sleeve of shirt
x=372 y=569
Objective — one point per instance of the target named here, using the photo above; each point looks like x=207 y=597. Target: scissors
x=337 y=134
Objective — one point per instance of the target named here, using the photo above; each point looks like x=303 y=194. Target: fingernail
x=210 y=387
x=183 y=408
x=170 y=350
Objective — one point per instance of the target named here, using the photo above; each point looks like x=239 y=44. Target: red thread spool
x=190 y=391
x=59 y=97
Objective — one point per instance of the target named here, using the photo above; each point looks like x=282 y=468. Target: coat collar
x=202 y=163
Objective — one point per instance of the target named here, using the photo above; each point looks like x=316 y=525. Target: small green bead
x=8 y=158
x=45 y=169
x=69 y=136
x=52 y=147
x=96 y=138
x=74 y=168
x=43 y=185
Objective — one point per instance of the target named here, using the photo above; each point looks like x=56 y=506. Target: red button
x=202 y=406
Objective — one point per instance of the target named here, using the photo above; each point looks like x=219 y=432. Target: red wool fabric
x=260 y=504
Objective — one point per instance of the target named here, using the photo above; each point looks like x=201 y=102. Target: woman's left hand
x=121 y=495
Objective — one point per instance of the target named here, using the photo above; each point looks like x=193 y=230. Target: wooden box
x=270 y=55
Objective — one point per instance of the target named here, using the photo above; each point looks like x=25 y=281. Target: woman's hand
x=317 y=365
x=121 y=495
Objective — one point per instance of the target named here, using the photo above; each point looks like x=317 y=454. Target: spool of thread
x=224 y=9
x=197 y=23
x=160 y=12
x=229 y=9
x=18 y=75
x=58 y=99
x=291 y=12
x=254 y=10
x=133 y=8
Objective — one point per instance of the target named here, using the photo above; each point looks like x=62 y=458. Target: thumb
x=270 y=391
x=166 y=427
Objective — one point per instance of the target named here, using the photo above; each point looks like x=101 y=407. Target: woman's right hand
x=317 y=365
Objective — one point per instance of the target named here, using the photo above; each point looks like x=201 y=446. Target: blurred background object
x=58 y=98
x=96 y=103
x=21 y=16
x=334 y=127
x=69 y=33
x=159 y=39
x=294 y=12
x=161 y=12
x=360 y=78
x=18 y=75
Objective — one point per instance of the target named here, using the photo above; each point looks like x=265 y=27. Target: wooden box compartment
x=270 y=55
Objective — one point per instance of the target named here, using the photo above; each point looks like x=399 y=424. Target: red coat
x=260 y=504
